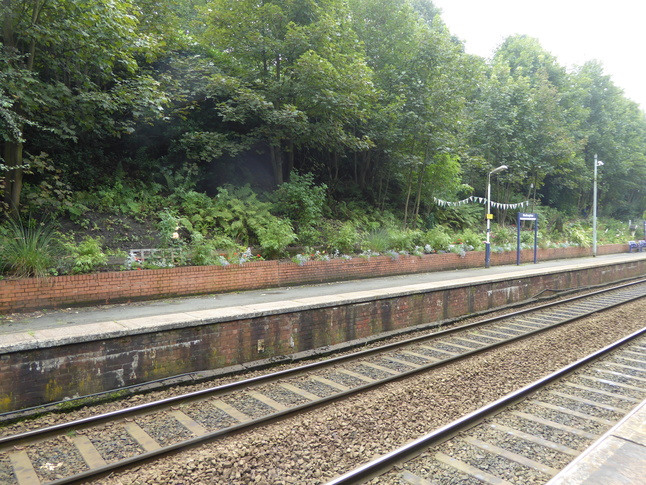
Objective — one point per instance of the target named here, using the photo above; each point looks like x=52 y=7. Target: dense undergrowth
x=89 y=232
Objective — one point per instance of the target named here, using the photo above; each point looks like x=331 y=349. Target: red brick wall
x=18 y=295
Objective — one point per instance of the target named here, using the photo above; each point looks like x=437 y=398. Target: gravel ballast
x=316 y=446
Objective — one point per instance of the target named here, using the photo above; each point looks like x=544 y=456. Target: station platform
x=55 y=355
x=38 y=329
x=617 y=458
x=39 y=339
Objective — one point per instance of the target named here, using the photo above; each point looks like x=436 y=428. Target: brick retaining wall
x=19 y=295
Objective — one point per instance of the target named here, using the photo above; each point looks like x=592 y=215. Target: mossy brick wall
x=19 y=295
x=49 y=374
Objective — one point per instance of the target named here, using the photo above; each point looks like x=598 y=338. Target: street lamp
x=489 y=214
x=597 y=163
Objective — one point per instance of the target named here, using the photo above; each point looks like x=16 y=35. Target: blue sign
x=527 y=217
x=522 y=216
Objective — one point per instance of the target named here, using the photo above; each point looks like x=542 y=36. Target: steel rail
x=385 y=462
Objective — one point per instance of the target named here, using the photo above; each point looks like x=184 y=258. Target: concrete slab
x=617 y=458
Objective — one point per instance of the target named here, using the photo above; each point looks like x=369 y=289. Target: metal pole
x=594 y=209
x=487 y=243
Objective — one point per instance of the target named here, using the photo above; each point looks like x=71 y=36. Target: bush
x=503 y=236
x=578 y=235
x=302 y=202
x=342 y=237
x=203 y=252
x=275 y=236
x=471 y=238
x=405 y=240
x=28 y=248
x=169 y=226
x=438 y=238
x=87 y=256
x=377 y=241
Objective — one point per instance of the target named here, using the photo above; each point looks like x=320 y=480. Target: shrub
x=28 y=248
x=438 y=238
x=578 y=235
x=87 y=256
x=302 y=202
x=376 y=241
x=275 y=236
x=169 y=226
x=203 y=252
x=471 y=238
x=502 y=236
x=341 y=237
x=405 y=240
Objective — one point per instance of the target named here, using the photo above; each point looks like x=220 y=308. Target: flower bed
x=123 y=286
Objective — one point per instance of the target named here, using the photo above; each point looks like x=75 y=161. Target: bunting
x=479 y=200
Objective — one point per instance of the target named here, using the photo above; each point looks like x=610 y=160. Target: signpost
x=522 y=216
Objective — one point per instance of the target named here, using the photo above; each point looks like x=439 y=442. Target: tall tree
x=301 y=78
x=70 y=66
x=520 y=119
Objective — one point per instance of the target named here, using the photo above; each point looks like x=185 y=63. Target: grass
x=27 y=248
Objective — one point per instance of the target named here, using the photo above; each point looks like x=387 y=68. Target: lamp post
x=489 y=215
x=597 y=163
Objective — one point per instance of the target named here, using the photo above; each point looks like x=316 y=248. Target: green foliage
x=126 y=197
x=610 y=231
x=405 y=240
x=579 y=235
x=166 y=101
x=169 y=227
x=206 y=252
x=459 y=217
x=377 y=240
x=275 y=236
x=86 y=257
x=302 y=202
x=234 y=212
x=342 y=237
x=471 y=238
x=503 y=235
x=50 y=192
x=28 y=248
x=439 y=238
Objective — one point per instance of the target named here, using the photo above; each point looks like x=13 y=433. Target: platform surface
x=58 y=327
x=617 y=458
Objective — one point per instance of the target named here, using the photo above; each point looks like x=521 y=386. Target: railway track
x=528 y=436
x=78 y=451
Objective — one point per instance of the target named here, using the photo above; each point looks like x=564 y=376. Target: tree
x=302 y=81
x=69 y=66
x=521 y=122
x=424 y=79
x=616 y=133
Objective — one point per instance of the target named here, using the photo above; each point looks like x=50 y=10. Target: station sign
x=522 y=216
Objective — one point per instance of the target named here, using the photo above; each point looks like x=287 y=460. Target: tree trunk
x=13 y=179
x=409 y=189
x=277 y=163
x=290 y=160
x=418 y=196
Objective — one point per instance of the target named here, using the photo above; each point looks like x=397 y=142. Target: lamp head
x=499 y=169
